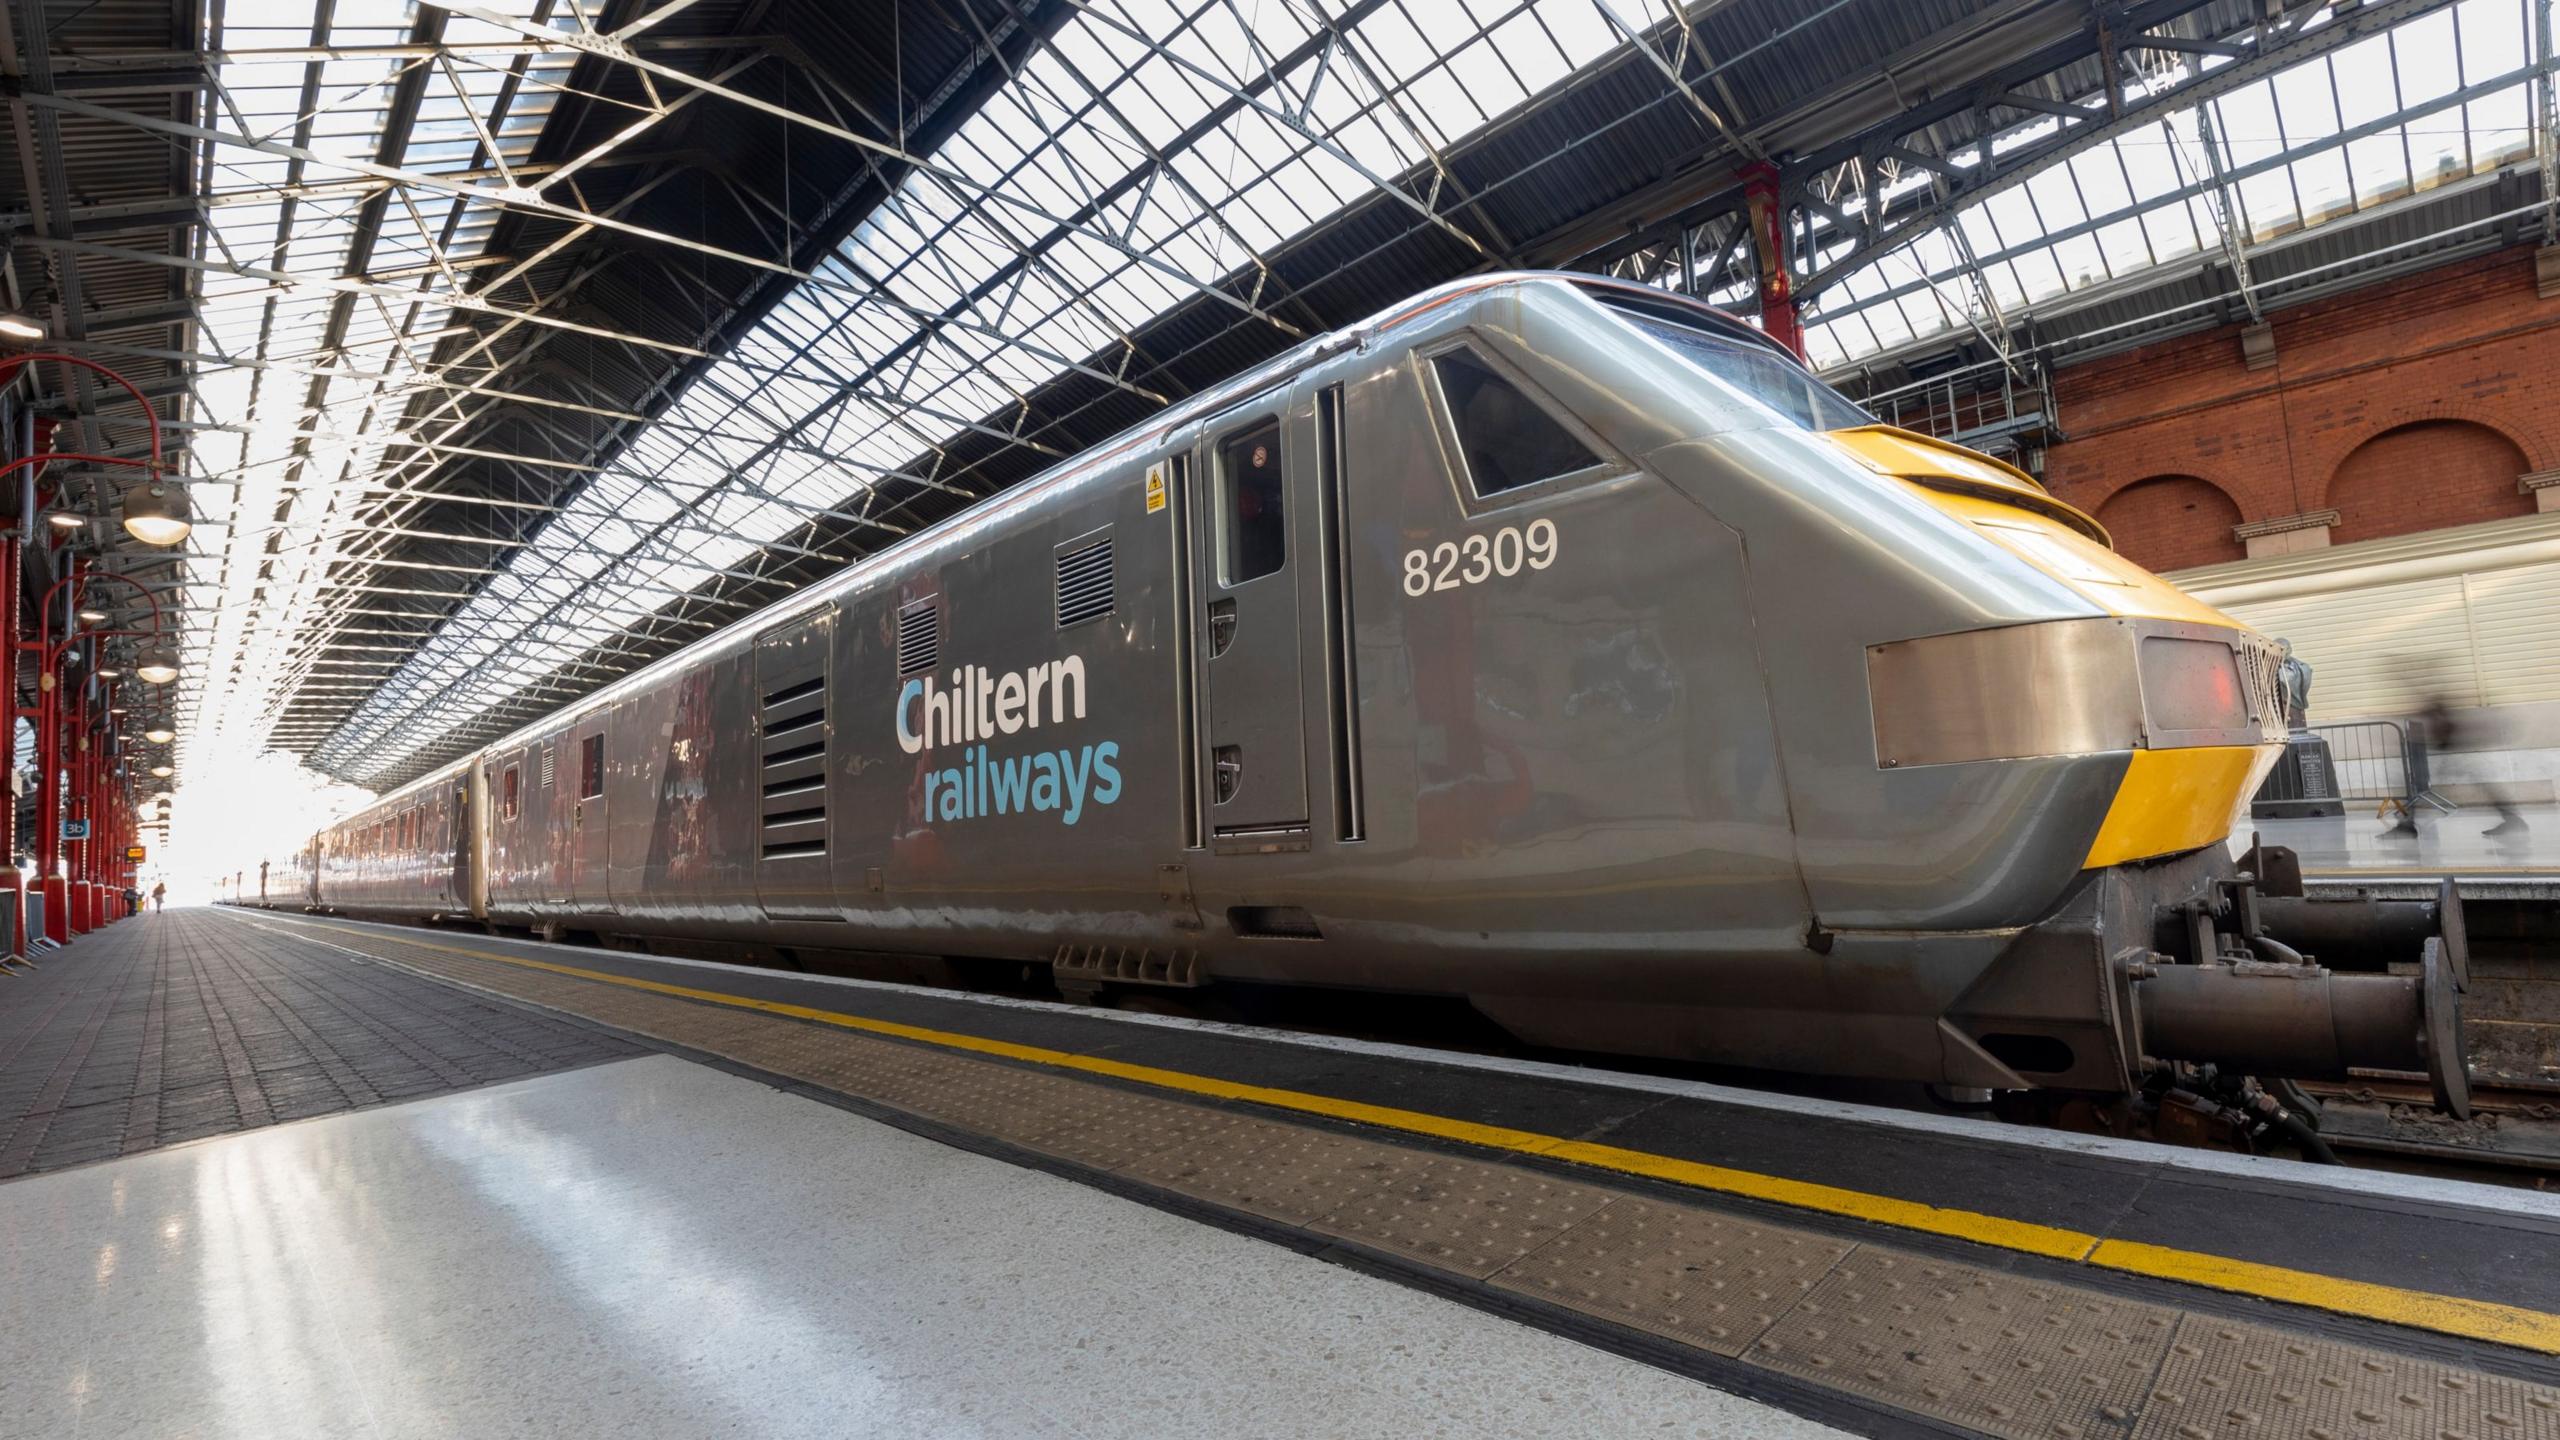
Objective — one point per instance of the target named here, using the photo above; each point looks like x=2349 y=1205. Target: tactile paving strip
x=1141 y=1126
x=1991 y=1352
x=1702 y=1279
x=2228 y=1381
x=1996 y=1353
x=1460 y=1215
x=1280 y=1172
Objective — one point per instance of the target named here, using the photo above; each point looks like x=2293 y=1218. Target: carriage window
x=1506 y=439
x=1254 y=539
x=507 y=794
x=591 y=768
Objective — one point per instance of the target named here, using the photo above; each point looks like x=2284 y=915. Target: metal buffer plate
x=1705 y=1280
x=2448 y=1067
x=1992 y=1352
x=2455 y=931
x=2228 y=1381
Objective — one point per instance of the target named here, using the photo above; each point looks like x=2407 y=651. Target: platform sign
x=137 y=854
x=75 y=829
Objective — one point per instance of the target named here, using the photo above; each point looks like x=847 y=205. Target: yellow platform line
x=2415 y=1309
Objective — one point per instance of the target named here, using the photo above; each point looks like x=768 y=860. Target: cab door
x=1244 y=484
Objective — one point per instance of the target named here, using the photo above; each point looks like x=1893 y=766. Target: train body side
x=407 y=856
x=1596 y=752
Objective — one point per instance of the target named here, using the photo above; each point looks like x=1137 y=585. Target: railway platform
x=2520 y=861
x=663 y=1196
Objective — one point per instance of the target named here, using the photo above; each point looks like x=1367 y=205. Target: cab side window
x=1506 y=440
x=1254 y=536
x=507 y=794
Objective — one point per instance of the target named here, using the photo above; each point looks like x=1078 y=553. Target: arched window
x=2173 y=522
x=2426 y=476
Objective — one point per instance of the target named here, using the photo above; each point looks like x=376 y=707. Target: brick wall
x=2461 y=350
x=2174 y=521
x=2421 y=476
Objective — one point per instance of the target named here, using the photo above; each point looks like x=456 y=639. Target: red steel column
x=50 y=783
x=115 y=811
x=1769 y=242
x=12 y=901
x=75 y=853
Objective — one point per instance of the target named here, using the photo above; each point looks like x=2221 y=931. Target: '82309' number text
x=1480 y=557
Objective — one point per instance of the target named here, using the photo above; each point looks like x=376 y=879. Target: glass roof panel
x=2153 y=195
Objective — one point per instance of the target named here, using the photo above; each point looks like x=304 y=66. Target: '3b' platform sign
x=75 y=829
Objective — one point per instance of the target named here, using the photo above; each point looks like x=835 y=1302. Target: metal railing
x=1988 y=407
x=2381 y=761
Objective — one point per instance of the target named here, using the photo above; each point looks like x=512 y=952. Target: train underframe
x=2226 y=988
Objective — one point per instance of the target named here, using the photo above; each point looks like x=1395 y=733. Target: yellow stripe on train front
x=2171 y=801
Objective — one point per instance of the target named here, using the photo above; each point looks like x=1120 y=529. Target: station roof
x=515 y=343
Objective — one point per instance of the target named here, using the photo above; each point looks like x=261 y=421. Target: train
x=1554 y=643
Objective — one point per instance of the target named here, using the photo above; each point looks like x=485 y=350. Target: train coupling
x=2287 y=987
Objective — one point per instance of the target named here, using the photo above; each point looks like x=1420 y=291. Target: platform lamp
x=21 y=328
x=157 y=665
x=159 y=733
x=156 y=514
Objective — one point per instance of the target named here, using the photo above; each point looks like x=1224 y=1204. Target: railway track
x=2512 y=1023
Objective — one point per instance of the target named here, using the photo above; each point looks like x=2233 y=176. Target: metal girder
x=2546 y=125
x=2270 y=49
x=2230 y=175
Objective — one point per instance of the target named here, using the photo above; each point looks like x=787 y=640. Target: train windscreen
x=1760 y=373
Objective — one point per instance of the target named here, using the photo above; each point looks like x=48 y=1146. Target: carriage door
x=585 y=754
x=1244 y=489
x=792 y=872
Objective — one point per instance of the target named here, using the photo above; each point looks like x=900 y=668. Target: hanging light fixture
x=156 y=514
x=108 y=672
x=66 y=519
x=16 y=326
x=164 y=771
x=158 y=734
x=93 y=615
x=158 y=665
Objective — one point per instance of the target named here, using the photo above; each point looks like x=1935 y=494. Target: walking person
x=160 y=896
x=2444 y=732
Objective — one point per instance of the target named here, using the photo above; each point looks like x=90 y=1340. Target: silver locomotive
x=1555 y=643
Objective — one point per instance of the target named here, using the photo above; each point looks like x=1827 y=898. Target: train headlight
x=2192 y=687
